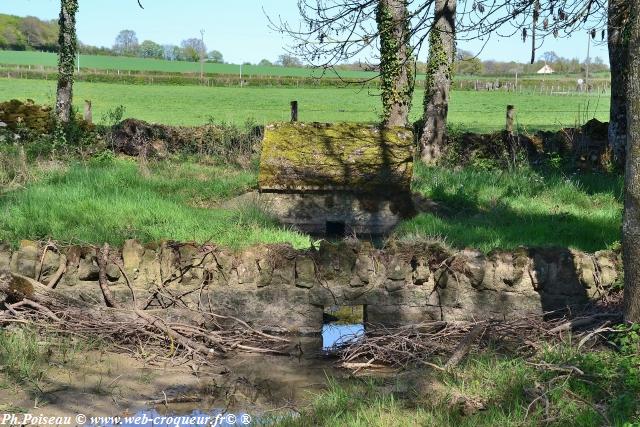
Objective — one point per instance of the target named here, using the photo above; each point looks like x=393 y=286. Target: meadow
x=100 y=62
x=481 y=111
x=123 y=63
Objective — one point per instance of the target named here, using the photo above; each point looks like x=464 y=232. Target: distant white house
x=546 y=70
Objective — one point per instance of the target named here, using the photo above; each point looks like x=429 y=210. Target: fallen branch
x=152 y=331
x=465 y=345
x=103 y=260
x=583 y=321
x=62 y=268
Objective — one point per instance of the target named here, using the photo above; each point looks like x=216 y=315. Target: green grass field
x=142 y=64
x=194 y=105
x=111 y=201
x=97 y=62
x=503 y=209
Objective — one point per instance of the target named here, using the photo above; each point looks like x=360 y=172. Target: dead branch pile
x=164 y=334
x=423 y=343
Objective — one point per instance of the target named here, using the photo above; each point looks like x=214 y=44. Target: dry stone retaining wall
x=277 y=288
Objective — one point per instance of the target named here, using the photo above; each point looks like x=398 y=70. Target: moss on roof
x=336 y=157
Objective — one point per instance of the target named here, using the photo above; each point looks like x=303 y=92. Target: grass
x=489 y=209
x=194 y=105
x=123 y=63
x=489 y=389
x=110 y=201
x=100 y=62
x=25 y=354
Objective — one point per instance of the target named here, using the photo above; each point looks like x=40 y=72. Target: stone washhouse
x=336 y=179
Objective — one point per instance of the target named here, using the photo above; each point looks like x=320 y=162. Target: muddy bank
x=102 y=383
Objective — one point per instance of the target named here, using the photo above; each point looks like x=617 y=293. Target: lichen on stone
x=17 y=114
x=343 y=156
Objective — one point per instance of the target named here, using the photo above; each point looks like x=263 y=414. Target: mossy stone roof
x=335 y=157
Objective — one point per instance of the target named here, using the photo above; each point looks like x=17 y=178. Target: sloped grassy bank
x=107 y=199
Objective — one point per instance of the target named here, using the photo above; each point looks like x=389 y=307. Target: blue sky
x=237 y=28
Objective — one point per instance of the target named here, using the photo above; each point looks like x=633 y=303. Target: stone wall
x=277 y=288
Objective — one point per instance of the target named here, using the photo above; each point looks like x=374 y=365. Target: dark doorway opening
x=335 y=229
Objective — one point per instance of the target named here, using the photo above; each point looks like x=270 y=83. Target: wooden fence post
x=88 y=114
x=511 y=114
x=294 y=111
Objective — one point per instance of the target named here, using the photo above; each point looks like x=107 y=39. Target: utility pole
x=586 y=80
x=78 y=62
x=202 y=53
x=240 y=74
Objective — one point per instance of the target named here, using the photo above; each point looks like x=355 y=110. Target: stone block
x=305 y=273
x=25 y=259
x=132 y=253
x=88 y=269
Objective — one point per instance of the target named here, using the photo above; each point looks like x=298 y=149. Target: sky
x=240 y=28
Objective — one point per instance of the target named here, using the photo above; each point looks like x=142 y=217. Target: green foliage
x=27 y=33
x=114 y=115
x=151 y=49
x=230 y=143
x=627 y=340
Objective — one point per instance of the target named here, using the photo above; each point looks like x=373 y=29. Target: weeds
x=24 y=355
x=489 y=389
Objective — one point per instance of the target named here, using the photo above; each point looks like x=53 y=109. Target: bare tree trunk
x=438 y=81
x=396 y=64
x=631 y=222
x=68 y=44
x=619 y=60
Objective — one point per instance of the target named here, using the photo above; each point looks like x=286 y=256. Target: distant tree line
x=468 y=64
x=28 y=33
x=31 y=33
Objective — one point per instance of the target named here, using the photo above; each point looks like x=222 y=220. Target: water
x=334 y=334
x=273 y=380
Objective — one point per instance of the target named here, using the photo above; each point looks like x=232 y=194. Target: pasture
x=193 y=105
x=90 y=63
x=124 y=63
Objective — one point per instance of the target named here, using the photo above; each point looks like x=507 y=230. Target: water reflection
x=334 y=334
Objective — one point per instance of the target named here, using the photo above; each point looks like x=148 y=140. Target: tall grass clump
x=108 y=200
x=23 y=355
x=493 y=208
